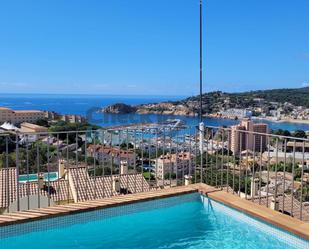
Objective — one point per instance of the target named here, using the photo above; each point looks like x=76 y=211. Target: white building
x=236 y=113
x=166 y=164
x=19 y=116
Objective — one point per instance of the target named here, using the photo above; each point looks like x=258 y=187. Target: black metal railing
x=53 y=168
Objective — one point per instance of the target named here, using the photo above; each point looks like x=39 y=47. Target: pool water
x=51 y=176
x=177 y=222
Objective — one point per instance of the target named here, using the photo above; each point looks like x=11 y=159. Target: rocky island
x=164 y=108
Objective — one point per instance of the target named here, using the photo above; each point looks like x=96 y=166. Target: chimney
x=116 y=184
x=61 y=169
x=41 y=181
x=274 y=204
x=254 y=186
x=188 y=180
x=123 y=167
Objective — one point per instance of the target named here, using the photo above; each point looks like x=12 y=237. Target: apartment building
x=19 y=116
x=248 y=136
x=107 y=154
x=180 y=163
x=71 y=118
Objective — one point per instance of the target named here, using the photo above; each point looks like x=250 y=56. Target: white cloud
x=305 y=84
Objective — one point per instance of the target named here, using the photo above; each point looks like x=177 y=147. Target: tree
x=299 y=134
x=10 y=142
x=124 y=146
x=11 y=161
x=168 y=176
x=42 y=122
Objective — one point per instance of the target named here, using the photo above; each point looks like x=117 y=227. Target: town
x=70 y=166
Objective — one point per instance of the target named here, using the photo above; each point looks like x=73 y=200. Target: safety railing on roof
x=53 y=168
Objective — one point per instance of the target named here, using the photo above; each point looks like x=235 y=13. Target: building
x=19 y=116
x=236 y=113
x=108 y=154
x=165 y=164
x=32 y=128
x=298 y=146
x=288 y=157
x=73 y=118
x=248 y=136
x=51 y=115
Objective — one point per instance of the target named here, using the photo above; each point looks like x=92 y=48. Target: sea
x=88 y=106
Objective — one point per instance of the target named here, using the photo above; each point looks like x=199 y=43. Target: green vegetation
x=168 y=176
x=148 y=175
x=126 y=145
x=215 y=101
x=286 y=133
x=42 y=122
x=36 y=151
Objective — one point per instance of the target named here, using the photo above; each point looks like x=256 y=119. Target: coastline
x=292 y=121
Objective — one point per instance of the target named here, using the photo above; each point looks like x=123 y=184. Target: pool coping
x=275 y=218
x=87 y=206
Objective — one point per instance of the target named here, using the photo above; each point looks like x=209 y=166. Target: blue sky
x=151 y=47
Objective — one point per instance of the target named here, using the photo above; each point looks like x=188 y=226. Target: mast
x=201 y=62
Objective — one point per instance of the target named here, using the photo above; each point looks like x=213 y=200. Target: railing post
x=38 y=172
x=135 y=174
x=142 y=157
x=302 y=182
x=128 y=162
x=201 y=134
x=239 y=164
x=48 y=171
x=27 y=172
x=284 y=170
x=7 y=173
x=222 y=158
x=293 y=173
x=268 y=165
x=228 y=161
x=17 y=171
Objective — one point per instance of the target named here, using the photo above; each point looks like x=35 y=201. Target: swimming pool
x=187 y=221
x=53 y=176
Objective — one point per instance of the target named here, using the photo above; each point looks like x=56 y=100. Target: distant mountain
x=216 y=101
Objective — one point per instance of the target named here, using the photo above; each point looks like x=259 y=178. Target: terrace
x=80 y=170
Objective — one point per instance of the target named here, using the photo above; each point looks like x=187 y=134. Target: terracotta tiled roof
x=89 y=188
x=58 y=190
x=110 y=150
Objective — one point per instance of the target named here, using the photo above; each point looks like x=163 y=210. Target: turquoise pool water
x=53 y=176
x=179 y=222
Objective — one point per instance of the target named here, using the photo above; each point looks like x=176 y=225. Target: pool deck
x=275 y=218
x=288 y=223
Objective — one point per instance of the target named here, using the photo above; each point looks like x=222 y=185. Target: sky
x=139 y=47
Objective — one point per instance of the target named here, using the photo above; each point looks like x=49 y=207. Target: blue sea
x=87 y=105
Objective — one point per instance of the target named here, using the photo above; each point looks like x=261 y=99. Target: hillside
x=216 y=101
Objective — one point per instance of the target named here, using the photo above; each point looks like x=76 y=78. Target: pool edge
x=285 y=222
x=74 y=208
x=275 y=218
